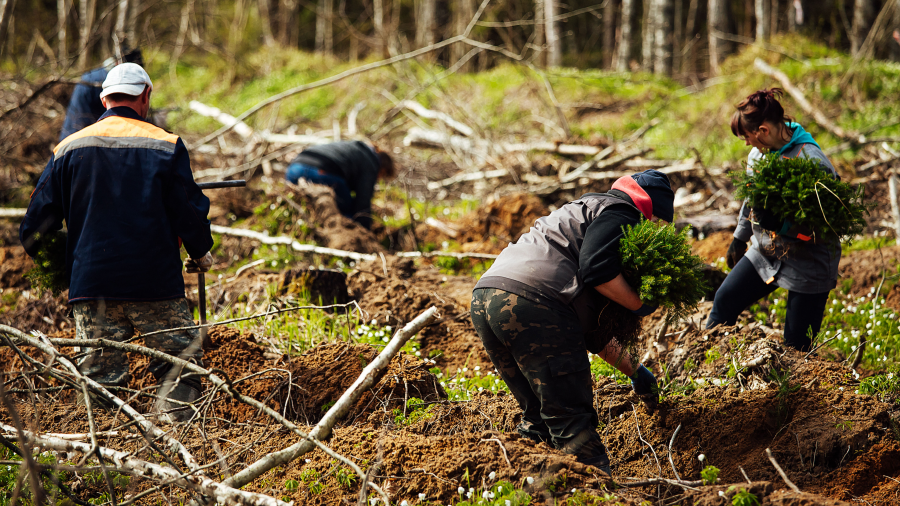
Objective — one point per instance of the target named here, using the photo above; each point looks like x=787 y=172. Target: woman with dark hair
x=780 y=254
x=350 y=168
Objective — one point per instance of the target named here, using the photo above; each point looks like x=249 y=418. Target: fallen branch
x=781 y=471
x=12 y=212
x=349 y=73
x=290 y=241
x=437 y=139
x=239 y=127
x=142 y=422
x=661 y=481
x=466 y=176
x=422 y=111
x=128 y=464
x=340 y=408
x=804 y=104
x=600 y=165
x=502 y=448
x=671 y=442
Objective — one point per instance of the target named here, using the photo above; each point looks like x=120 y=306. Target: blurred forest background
x=684 y=39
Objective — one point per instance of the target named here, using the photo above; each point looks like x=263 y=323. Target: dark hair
x=757 y=108
x=386 y=168
x=124 y=97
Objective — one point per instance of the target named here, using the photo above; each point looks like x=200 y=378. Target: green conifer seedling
x=798 y=190
x=49 y=271
x=657 y=262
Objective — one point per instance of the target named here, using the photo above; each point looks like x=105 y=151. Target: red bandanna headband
x=638 y=195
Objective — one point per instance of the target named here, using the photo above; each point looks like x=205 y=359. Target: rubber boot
x=589 y=450
x=174 y=412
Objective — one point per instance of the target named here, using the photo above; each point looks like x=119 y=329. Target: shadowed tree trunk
x=265 y=19
x=774 y=16
x=554 y=42
x=718 y=22
x=121 y=40
x=62 y=13
x=539 y=31
x=463 y=11
x=324 y=13
x=863 y=14
x=689 y=41
x=677 y=35
x=895 y=36
x=425 y=23
x=795 y=15
x=609 y=33
x=647 y=33
x=662 y=24
x=625 y=36
x=134 y=8
x=86 y=9
x=763 y=22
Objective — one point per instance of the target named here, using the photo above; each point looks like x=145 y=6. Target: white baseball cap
x=127 y=78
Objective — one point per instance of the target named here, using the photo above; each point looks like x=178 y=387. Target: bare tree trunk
x=265 y=19
x=134 y=8
x=662 y=48
x=718 y=20
x=763 y=22
x=609 y=33
x=425 y=23
x=792 y=15
x=324 y=39
x=86 y=10
x=378 y=25
x=689 y=38
x=647 y=33
x=120 y=40
x=5 y=14
x=287 y=12
x=463 y=11
x=677 y=35
x=539 y=31
x=773 y=17
x=863 y=14
x=554 y=43
x=62 y=13
x=625 y=36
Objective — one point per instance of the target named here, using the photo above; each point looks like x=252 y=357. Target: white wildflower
x=461 y=490
x=421 y=497
x=701 y=457
x=530 y=480
x=492 y=475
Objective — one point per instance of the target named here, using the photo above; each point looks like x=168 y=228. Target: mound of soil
x=713 y=247
x=865 y=267
x=14 y=263
x=406 y=292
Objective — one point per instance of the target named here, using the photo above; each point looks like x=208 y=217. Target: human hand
x=200 y=264
x=736 y=251
x=645 y=309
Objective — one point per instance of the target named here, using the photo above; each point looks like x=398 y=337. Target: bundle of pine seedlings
x=49 y=271
x=800 y=191
x=657 y=262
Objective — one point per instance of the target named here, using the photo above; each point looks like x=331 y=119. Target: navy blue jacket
x=126 y=192
x=85 y=107
x=353 y=161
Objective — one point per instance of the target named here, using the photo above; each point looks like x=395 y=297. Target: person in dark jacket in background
x=350 y=168
x=780 y=254
x=532 y=311
x=127 y=195
x=85 y=106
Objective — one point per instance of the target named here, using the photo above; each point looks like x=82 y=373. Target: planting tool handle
x=201 y=287
x=222 y=184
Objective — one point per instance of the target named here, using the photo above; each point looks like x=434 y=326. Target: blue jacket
x=126 y=192
x=85 y=107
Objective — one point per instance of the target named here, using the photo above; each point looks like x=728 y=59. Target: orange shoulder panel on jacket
x=118 y=126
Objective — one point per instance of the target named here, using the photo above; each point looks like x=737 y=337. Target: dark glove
x=200 y=264
x=645 y=309
x=767 y=220
x=735 y=252
x=644 y=384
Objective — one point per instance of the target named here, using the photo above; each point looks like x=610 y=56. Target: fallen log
x=12 y=212
x=126 y=463
x=445 y=118
x=600 y=165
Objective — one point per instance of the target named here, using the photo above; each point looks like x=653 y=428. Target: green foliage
x=49 y=271
x=710 y=475
x=345 y=476
x=462 y=385
x=582 y=498
x=502 y=493
x=712 y=355
x=602 y=368
x=415 y=410
x=658 y=264
x=743 y=497
x=798 y=190
x=885 y=386
x=291 y=485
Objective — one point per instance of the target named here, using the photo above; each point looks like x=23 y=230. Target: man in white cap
x=127 y=195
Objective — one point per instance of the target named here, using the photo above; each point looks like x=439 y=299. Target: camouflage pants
x=118 y=320
x=541 y=356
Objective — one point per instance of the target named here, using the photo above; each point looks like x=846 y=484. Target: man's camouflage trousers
x=540 y=353
x=118 y=320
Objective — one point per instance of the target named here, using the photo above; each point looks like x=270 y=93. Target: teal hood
x=800 y=136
